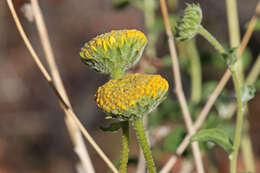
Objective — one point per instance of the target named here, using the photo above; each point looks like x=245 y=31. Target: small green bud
x=114 y=51
x=132 y=95
x=189 y=23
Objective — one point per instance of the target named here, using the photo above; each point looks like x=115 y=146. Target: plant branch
x=75 y=134
x=125 y=147
x=203 y=114
x=239 y=121
x=195 y=71
x=140 y=132
x=63 y=104
x=179 y=89
x=202 y=31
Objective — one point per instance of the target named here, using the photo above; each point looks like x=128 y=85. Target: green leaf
x=257 y=85
x=174 y=139
x=113 y=127
x=120 y=4
x=217 y=136
x=248 y=92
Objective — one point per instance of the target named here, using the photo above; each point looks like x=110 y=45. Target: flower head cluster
x=132 y=95
x=113 y=51
x=189 y=23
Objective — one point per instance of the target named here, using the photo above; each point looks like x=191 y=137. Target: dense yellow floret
x=116 y=49
x=132 y=95
x=114 y=39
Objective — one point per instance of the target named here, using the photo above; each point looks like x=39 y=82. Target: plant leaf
x=113 y=127
x=215 y=135
x=248 y=92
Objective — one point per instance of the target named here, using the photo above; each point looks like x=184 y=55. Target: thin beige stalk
x=203 y=114
x=63 y=104
x=76 y=137
x=179 y=89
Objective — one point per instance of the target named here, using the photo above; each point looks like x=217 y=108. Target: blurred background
x=33 y=136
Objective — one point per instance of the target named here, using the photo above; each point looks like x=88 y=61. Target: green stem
x=125 y=147
x=117 y=73
x=239 y=121
x=234 y=37
x=234 y=31
x=140 y=132
x=149 y=18
x=254 y=73
x=195 y=71
x=233 y=23
x=202 y=31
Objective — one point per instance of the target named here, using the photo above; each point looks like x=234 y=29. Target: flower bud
x=114 y=51
x=132 y=95
x=189 y=23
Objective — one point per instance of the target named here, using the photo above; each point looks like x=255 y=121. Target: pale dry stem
x=63 y=104
x=76 y=137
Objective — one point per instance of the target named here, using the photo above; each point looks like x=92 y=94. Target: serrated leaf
x=113 y=127
x=248 y=92
x=217 y=136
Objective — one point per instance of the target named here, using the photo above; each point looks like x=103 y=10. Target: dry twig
x=76 y=137
x=63 y=103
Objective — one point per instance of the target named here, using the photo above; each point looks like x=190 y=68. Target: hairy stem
x=234 y=31
x=202 y=31
x=239 y=121
x=125 y=147
x=140 y=132
x=195 y=71
x=117 y=73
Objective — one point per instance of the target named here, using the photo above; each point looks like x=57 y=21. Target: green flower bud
x=114 y=51
x=131 y=96
x=189 y=23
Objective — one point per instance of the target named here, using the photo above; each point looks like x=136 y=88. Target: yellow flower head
x=132 y=95
x=116 y=49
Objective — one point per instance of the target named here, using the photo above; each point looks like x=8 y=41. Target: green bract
x=114 y=51
x=189 y=23
x=133 y=95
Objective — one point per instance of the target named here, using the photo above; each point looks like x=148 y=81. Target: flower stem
x=195 y=71
x=202 y=31
x=125 y=147
x=117 y=73
x=239 y=121
x=140 y=132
